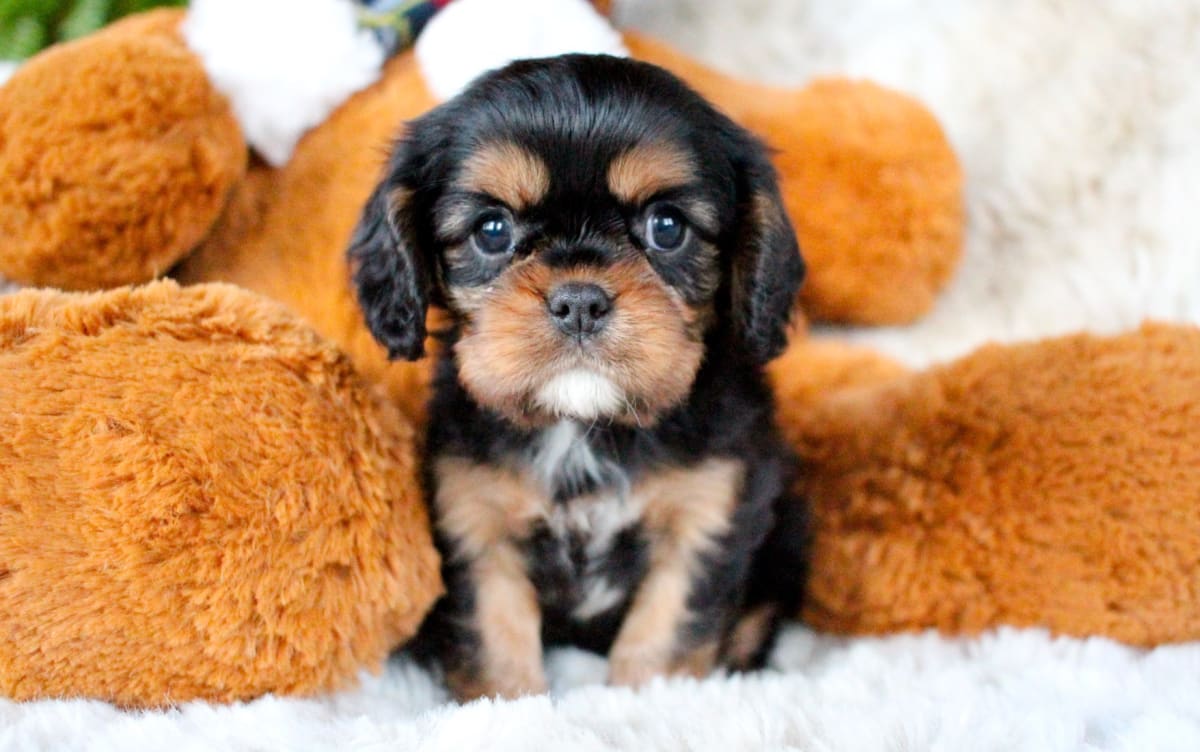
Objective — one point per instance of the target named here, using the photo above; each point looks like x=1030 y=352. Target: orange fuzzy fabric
x=1052 y=484
x=285 y=231
x=200 y=500
x=116 y=156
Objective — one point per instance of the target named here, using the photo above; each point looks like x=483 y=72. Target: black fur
x=768 y=269
x=578 y=112
x=728 y=414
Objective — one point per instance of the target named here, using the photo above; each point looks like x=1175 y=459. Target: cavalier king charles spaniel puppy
x=602 y=465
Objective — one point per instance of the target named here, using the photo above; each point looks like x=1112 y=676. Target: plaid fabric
x=396 y=23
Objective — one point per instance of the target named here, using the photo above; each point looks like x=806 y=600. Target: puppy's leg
x=481 y=511
x=646 y=644
x=687 y=510
x=752 y=636
x=508 y=623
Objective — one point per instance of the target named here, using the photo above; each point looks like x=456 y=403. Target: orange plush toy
x=201 y=499
x=247 y=562
x=1046 y=484
x=1040 y=485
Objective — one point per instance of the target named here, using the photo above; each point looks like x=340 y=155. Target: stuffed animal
x=201 y=499
x=145 y=169
x=1051 y=484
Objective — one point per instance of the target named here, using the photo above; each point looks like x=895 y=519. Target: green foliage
x=27 y=26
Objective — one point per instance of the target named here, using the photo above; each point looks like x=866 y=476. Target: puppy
x=602 y=464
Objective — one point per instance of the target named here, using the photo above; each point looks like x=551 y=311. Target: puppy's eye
x=666 y=228
x=493 y=234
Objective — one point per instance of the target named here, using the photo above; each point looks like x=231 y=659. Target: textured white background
x=1079 y=126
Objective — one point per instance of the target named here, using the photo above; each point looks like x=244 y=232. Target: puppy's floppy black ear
x=391 y=273
x=767 y=268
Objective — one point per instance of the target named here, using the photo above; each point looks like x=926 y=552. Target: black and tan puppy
x=603 y=467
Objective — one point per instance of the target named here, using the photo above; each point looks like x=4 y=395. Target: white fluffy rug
x=1003 y=692
x=1079 y=125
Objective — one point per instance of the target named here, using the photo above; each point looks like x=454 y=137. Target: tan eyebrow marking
x=508 y=172
x=646 y=169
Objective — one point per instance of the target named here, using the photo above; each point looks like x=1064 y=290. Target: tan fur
x=687 y=507
x=640 y=172
x=697 y=662
x=685 y=510
x=122 y=180
x=646 y=645
x=481 y=505
x=650 y=349
x=748 y=635
x=509 y=624
x=507 y=172
x=485 y=509
x=199 y=499
x=467 y=300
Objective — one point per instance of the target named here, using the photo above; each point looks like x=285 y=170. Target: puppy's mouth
x=582 y=387
x=609 y=344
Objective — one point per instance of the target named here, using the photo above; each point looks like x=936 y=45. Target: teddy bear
x=1048 y=484
x=260 y=412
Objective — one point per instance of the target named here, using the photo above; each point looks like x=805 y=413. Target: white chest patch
x=593 y=523
x=599 y=595
x=564 y=461
x=594 y=520
x=588 y=506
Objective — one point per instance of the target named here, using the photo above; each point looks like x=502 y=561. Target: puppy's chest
x=586 y=548
x=582 y=521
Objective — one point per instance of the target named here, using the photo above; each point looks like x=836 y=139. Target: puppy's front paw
x=508 y=685
x=633 y=666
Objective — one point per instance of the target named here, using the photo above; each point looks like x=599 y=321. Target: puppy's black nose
x=579 y=308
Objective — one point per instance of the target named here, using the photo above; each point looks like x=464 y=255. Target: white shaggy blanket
x=1007 y=691
x=1079 y=126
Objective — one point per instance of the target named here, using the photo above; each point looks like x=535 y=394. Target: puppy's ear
x=767 y=268
x=391 y=272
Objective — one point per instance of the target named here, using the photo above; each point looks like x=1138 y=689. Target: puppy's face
x=591 y=224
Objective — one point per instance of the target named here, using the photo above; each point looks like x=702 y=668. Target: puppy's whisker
x=632 y=411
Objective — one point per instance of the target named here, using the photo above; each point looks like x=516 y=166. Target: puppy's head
x=590 y=223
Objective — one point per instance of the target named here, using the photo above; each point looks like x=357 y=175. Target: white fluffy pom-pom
x=285 y=65
x=7 y=68
x=470 y=37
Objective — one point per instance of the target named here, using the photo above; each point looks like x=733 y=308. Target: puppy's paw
x=635 y=665
x=467 y=686
x=698 y=662
x=632 y=665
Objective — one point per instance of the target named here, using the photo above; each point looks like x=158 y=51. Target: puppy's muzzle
x=579 y=309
